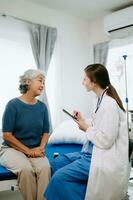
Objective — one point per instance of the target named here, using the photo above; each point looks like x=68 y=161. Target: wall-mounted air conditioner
x=120 y=23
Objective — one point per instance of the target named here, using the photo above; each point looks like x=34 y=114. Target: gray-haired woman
x=25 y=134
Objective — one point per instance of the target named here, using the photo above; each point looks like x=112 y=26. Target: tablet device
x=68 y=113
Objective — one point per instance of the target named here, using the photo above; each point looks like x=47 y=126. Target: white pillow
x=67 y=132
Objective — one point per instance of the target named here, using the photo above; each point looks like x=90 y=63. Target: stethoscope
x=98 y=105
x=100 y=100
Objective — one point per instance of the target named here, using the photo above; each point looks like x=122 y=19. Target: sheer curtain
x=101 y=53
x=43 y=41
x=15 y=57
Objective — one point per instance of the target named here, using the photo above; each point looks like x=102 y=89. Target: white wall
x=96 y=31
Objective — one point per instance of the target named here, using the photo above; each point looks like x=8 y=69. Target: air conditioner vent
x=120 y=21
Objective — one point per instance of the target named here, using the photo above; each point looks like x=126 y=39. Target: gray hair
x=29 y=74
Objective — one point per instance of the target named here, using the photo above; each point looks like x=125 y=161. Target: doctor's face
x=89 y=85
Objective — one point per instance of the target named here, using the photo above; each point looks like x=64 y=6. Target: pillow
x=67 y=132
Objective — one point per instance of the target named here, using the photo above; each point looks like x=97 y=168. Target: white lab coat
x=108 y=177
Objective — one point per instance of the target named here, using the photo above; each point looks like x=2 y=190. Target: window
x=54 y=87
x=116 y=67
x=16 y=57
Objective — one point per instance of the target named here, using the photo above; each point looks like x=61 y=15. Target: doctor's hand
x=77 y=115
x=82 y=125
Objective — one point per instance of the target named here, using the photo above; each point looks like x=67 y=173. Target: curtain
x=42 y=42
x=101 y=52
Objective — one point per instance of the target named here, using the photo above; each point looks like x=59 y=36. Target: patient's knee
x=25 y=170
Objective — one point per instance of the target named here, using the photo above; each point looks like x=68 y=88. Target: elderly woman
x=25 y=134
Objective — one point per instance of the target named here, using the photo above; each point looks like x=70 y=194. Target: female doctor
x=100 y=170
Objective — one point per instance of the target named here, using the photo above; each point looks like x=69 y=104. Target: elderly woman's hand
x=36 y=152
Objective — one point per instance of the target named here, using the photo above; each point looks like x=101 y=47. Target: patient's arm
x=44 y=140
x=16 y=144
x=42 y=146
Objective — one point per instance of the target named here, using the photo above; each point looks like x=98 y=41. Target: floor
x=10 y=195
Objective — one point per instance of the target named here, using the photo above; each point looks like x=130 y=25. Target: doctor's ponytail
x=111 y=91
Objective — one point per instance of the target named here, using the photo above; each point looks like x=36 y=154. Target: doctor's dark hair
x=28 y=75
x=99 y=74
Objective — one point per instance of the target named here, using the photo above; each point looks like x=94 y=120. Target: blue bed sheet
x=5 y=174
x=61 y=149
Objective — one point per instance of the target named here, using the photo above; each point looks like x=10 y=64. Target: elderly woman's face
x=36 y=85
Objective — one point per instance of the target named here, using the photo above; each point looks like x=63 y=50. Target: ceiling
x=87 y=9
